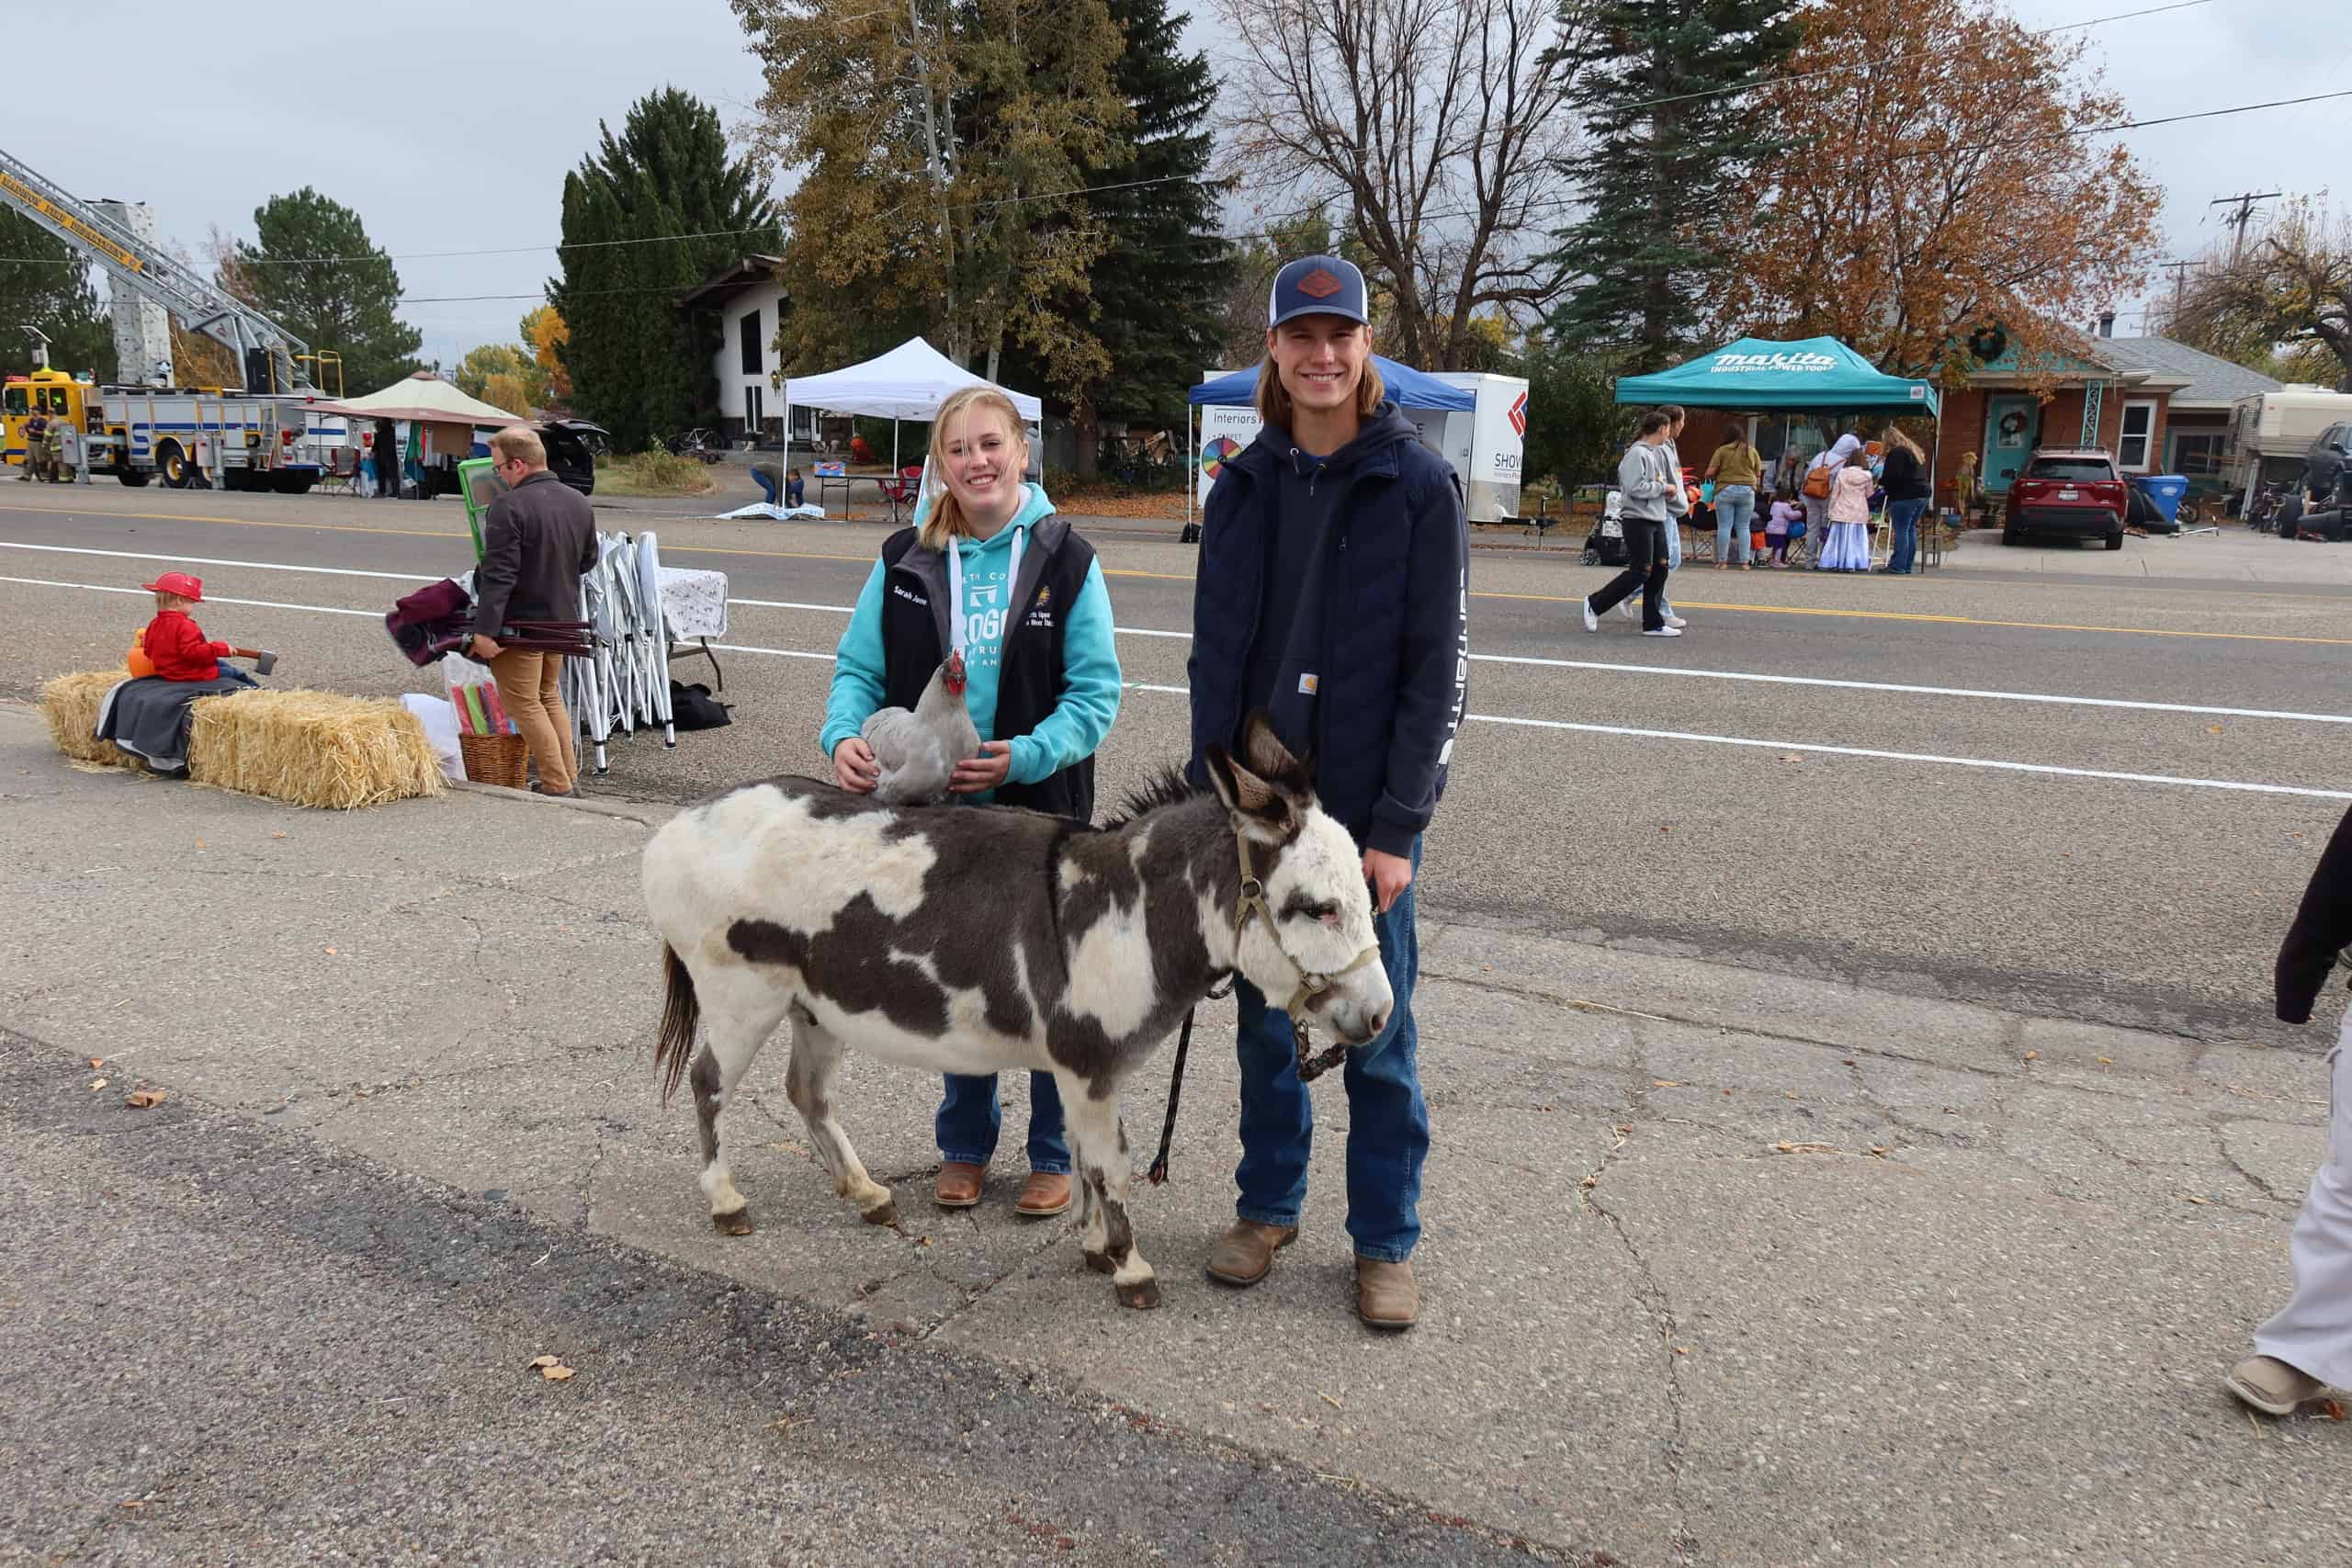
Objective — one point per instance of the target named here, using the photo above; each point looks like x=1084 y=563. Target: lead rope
x=1158 y=1171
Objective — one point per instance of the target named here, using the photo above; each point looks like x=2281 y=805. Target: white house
x=750 y=302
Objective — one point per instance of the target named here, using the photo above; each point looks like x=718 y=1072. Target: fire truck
x=265 y=435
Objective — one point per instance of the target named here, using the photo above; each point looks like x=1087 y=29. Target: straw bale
x=315 y=749
x=70 y=703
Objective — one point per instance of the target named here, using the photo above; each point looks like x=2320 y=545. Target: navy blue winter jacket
x=1383 y=631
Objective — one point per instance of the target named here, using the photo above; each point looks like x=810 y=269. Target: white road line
x=377 y=615
x=1758 y=677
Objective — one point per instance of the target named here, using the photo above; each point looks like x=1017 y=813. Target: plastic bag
x=473 y=692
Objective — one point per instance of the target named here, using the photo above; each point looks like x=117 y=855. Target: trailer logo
x=1519 y=414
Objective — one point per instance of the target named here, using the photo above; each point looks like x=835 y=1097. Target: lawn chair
x=901 y=492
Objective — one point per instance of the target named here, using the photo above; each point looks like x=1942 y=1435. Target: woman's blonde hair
x=946 y=521
x=1273 y=397
x=1892 y=436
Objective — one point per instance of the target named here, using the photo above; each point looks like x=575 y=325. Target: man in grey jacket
x=1646 y=479
x=537 y=542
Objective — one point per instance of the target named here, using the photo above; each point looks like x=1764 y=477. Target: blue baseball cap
x=1316 y=286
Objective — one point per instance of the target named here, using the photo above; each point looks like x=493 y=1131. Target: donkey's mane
x=1164 y=788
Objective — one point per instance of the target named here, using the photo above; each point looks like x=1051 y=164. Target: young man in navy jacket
x=1333 y=592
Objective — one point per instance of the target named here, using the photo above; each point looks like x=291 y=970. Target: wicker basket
x=495 y=759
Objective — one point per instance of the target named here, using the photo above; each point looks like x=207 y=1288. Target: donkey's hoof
x=886 y=1214
x=736 y=1223
x=1144 y=1294
x=1101 y=1263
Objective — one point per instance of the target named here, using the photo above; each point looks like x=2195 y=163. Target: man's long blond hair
x=946 y=522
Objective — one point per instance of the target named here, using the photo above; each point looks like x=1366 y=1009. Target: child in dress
x=1776 y=528
x=1848 y=548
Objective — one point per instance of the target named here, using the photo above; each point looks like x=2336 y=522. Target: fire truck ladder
x=200 y=306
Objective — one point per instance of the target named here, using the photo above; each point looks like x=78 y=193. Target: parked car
x=573 y=445
x=2071 y=493
x=2327 y=468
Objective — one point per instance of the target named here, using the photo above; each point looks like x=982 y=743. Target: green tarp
x=1757 y=373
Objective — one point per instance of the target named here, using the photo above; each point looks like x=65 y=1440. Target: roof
x=1816 y=373
x=2209 y=378
x=419 y=396
x=1411 y=389
x=724 y=285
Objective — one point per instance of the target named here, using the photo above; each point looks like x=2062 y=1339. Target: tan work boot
x=2271 y=1386
x=958 y=1186
x=1385 y=1294
x=1043 y=1195
x=1244 y=1253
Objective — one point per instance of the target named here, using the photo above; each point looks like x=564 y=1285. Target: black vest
x=1029 y=682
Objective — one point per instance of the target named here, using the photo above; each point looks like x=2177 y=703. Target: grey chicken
x=917 y=752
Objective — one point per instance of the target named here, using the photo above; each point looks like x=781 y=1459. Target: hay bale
x=70 y=703
x=316 y=748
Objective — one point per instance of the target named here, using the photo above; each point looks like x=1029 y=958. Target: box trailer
x=2275 y=432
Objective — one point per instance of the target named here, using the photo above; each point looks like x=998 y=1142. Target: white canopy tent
x=908 y=382
x=424 y=397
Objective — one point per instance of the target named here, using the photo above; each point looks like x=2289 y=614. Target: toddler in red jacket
x=176 y=646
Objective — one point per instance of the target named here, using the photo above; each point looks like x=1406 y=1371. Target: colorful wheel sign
x=1216 y=453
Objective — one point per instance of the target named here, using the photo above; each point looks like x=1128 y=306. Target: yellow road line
x=1187 y=577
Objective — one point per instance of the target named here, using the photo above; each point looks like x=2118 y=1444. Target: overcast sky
x=449 y=125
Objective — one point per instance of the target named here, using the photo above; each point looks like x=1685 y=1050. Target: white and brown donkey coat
x=957 y=939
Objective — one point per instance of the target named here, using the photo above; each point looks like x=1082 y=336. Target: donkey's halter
x=1311 y=984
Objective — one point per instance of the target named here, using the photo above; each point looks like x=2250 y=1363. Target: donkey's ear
x=1264 y=811
x=1270 y=759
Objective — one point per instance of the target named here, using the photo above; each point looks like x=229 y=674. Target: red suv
x=2076 y=493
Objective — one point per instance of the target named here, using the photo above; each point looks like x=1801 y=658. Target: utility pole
x=2237 y=220
x=2179 y=270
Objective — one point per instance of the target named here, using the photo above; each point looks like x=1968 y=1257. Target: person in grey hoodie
x=1646 y=479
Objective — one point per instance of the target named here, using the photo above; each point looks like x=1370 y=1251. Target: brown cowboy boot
x=1385 y=1294
x=1243 y=1254
x=958 y=1186
x=1043 y=1195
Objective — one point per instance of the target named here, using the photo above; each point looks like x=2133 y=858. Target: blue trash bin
x=2166 y=490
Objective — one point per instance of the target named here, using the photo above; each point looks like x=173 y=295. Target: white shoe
x=1625 y=608
x=1677 y=622
x=1664 y=631
x=1591 y=620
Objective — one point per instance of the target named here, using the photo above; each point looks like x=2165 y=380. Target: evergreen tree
x=1666 y=164
x=45 y=283
x=1158 y=293
x=668 y=186
x=314 y=273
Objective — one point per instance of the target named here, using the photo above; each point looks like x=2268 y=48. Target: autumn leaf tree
x=942 y=148
x=1938 y=177
x=545 y=334
x=2282 y=300
x=1435 y=132
x=504 y=375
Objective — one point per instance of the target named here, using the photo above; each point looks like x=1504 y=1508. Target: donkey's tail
x=681 y=1010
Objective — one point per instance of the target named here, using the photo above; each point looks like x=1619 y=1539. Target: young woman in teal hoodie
x=988 y=568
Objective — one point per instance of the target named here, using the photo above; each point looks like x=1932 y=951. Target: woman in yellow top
x=1736 y=468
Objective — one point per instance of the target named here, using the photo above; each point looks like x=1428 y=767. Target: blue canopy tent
x=1813 y=375
x=1410 y=388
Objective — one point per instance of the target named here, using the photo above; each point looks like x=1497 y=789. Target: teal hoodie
x=1091 y=676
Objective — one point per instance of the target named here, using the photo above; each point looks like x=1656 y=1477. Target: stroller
x=1605 y=546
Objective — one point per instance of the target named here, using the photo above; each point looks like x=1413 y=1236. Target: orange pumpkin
x=136 y=660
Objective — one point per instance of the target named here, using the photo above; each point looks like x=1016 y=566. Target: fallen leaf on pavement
x=98 y=1083
x=2033 y=1056
x=544 y=1361
x=199 y=843
x=2332 y=1409
x=330 y=950
x=142 y=1099
x=556 y=1374
x=2192 y=1199
x=97 y=1061
x=1786 y=1147
x=1329 y=1400
x=277 y=832
x=1880 y=1151
x=2212 y=729
x=1664 y=1083
x=1791 y=757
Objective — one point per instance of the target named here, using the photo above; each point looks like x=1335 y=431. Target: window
x=2071 y=471
x=749 y=329
x=753 y=400
x=15 y=402
x=2199 y=454
x=2132 y=449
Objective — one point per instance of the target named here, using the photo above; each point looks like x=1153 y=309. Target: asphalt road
x=2008 y=782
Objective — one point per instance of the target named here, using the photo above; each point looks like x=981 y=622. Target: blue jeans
x=1734 y=515
x=766 y=481
x=1388 y=1125
x=970 y=1120
x=231 y=672
x=1905 y=516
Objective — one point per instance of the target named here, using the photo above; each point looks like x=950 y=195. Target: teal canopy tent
x=1757 y=373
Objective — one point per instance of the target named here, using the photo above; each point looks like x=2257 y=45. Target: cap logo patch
x=1319 y=284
